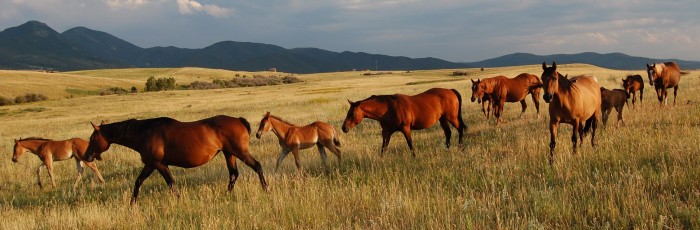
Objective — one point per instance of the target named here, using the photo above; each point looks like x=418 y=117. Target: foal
x=293 y=138
x=616 y=98
x=49 y=151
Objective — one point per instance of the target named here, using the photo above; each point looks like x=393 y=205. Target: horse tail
x=684 y=73
x=336 y=141
x=459 y=110
x=589 y=124
x=536 y=84
x=246 y=124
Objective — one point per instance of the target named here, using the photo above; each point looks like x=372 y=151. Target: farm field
x=642 y=175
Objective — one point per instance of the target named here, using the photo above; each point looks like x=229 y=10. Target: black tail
x=246 y=124
x=459 y=111
x=589 y=123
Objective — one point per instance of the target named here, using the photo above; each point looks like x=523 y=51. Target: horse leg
x=488 y=109
x=165 y=172
x=49 y=168
x=446 y=128
x=92 y=166
x=619 y=115
x=535 y=99
x=409 y=140
x=675 y=92
x=145 y=173
x=594 y=126
x=251 y=162
x=295 y=152
x=524 y=106
x=283 y=154
x=483 y=109
x=232 y=170
x=386 y=137
x=660 y=96
x=553 y=126
x=322 y=152
x=79 y=167
x=641 y=97
x=38 y=175
x=574 y=136
x=606 y=115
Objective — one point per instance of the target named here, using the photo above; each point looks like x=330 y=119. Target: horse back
x=424 y=109
x=517 y=88
x=612 y=98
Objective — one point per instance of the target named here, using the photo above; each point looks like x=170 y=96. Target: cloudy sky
x=454 y=30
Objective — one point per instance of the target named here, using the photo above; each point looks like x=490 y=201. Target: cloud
x=117 y=4
x=191 y=7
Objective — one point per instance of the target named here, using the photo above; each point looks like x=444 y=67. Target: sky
x=453 y=30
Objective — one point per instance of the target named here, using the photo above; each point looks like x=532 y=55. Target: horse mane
x=246 y=124
x=282 y=120
x=133 y=127
x=34 y=139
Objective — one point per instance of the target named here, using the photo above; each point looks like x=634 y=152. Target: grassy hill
x=643 y=175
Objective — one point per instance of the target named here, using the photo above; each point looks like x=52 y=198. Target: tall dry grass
x=643 y=175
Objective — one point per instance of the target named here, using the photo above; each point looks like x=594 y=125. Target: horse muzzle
x=547 y=97
x=345 y=129
x=258 y=135
x=473 y=99
x=14 y=159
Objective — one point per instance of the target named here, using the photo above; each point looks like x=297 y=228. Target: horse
x=484 y=108
x=293 y=138
x=164 y=141
x=616 y=98
x=502 y=89
x=572 y=101
x=632 y=84
x=49 y=151
x=403 y=113
x=663 y=76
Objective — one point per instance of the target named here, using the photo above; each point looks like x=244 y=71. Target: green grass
x=643 y=175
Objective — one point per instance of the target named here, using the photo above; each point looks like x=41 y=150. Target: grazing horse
x=616 y=98
x=502 y=89
x=165 y=141
x=572 y=101
x=49 y=151
x=292 y=138
x=663 y=76
x=632 y=84
x=403 y=113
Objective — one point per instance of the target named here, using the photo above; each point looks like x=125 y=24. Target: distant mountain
x=35 y=45
x=612 y=60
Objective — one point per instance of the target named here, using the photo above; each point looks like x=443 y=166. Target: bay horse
x=663 y=76
x=164 y=141
x=502 y=89
x=403 y=113
x=572 y=101
x=49 y=151
x=616 y=98
x=632 y=84
x=293 y=138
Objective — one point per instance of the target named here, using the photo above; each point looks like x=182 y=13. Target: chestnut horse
x=616 y=98
x=292 y=138
x=663 y=76
x=502 y=89
x=49 y=151
x=165 y=141
x=572 y=101
x=632 y=84
x=403 y=113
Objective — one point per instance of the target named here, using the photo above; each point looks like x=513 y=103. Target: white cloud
x=116 y=4
x=191 y=7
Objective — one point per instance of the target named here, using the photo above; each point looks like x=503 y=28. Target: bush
x=6 y=101
x=114 y=90
x=29 y=97
x=203 y=85
x=160 y=84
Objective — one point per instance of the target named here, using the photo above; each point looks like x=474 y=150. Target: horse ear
x=349 y=101
x=267 y=114
x=473 y=81
x=544 y=65
x=478 y=81
x=95 y=126
x=648 y=65
x=102 y=122
x=554 y=65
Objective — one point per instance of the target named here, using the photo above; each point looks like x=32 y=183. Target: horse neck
x=32 y=145
x=280 y=127
x=490 y=86
x=374 y=109
x=117 y=133
x=564 y=87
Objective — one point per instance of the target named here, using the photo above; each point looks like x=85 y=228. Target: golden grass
x=643 y=175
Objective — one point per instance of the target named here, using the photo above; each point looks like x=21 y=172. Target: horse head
x=550 y=81
x=354 y=117
x=477 y=90
x=653 y=71
x=264 y=126
x=18 y=151
x=98 y=144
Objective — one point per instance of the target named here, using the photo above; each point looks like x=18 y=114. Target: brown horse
x=292 y=138
x=403 y=113
x=632 y=84
x=616 y=98
x=49 y=151
x=571 y=101
x=663 y=76
x=165 y=141
x=502 y=89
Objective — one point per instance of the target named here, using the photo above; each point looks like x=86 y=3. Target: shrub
x=203 y=85
x=160 y=84
x=6 y=101
x=114 y=90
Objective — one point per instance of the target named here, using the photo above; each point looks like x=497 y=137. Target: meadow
x=643 y=175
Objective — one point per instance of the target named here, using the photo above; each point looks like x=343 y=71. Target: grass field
x=643 y=175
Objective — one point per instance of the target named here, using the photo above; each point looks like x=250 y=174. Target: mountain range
x=35 y=45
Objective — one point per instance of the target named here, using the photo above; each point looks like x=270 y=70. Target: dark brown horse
x=572 y=101
x=292 y=138
x=663 y=76
x=632 y=84
x=49 y=151
x=403 y=113
x=502 y=89
x=616 y=98
x=165 y=141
